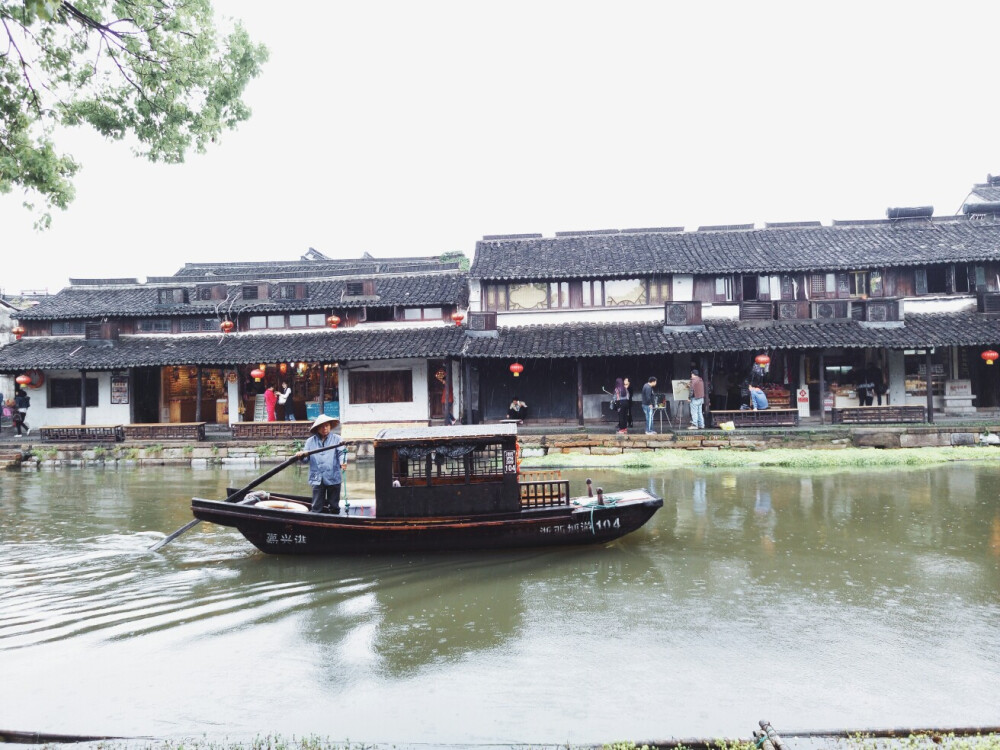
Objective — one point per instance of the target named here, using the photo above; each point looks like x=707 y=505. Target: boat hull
x=288 y=532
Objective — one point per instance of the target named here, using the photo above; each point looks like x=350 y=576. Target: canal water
x=817 y=600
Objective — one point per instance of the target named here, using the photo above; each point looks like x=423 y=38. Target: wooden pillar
x=467 y=389
x=449 y=394
x=83 y=397
x=822 y=388
x=930 y=394
x=197 y=395
x=322 y=389
x=579 y=391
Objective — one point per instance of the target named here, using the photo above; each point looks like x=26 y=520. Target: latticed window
x=487 y=460
x=197 y=325
x=453 y=463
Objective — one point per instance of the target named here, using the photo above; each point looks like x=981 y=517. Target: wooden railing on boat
x=545 y=493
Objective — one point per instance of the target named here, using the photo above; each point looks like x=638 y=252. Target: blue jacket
x=759 y=399
x=324 y=468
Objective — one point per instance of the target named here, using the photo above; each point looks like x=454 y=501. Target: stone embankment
x=229 y=453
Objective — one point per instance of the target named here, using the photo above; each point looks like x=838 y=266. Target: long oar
x=239 y=493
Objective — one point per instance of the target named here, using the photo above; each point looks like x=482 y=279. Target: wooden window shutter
x=817 y=286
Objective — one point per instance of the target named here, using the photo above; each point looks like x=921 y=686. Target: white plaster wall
x=633 y=314
x=39 y=414
x=475 y=295
x=416 y=410
x=938 y=304
x=233 y=394
x=897 y=376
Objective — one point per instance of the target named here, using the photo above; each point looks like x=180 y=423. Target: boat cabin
x=445 y=471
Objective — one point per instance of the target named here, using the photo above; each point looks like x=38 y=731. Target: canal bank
x=536 y=442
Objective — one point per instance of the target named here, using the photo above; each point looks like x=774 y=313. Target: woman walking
x=623 y=403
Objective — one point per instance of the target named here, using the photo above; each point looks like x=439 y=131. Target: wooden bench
x=282 y=430
x=759 y=418
x=83 y=433
x=878 y=414
x=165 y=431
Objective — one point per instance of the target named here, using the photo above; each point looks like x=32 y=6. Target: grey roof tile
x=59 y=352
x=795 y=248
x=90 y=302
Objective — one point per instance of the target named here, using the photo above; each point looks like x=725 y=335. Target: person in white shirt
x=285 y=401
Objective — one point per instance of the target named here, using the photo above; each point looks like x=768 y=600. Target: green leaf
x=156 y=73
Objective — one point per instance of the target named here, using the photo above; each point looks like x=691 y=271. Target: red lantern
x=23 y=379
x=517 y=368
x=257 y=374
x=458 y=318
x=282 y=368
x=762 y=359
x=989 y=355
x=227 y=326
x=18 y=332
x=333 y=321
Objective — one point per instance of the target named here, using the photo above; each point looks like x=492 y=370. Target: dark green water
x=842 y=599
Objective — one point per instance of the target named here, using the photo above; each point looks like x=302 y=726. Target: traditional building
x=366 y=340
x=910 y=300
x=907 y=303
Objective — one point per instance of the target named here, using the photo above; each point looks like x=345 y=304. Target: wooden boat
x=444 y=488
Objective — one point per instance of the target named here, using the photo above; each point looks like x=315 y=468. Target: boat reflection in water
x=452 y=488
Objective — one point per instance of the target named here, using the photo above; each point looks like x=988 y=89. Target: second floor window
x=153 y=325
x=68 y=328
x=859 y=283
x=556 y=295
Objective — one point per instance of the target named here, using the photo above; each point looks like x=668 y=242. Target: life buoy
x=37 y=379
x=283 y=505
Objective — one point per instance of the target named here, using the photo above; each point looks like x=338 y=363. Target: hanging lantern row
x=990 y=356
x=23 y=379
x=333 y=321
x=227 y=326
x=18 y=332
x=517 y=368
x=763 y=360
x=458 y=318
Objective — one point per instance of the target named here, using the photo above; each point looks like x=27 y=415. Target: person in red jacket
x=270 y=401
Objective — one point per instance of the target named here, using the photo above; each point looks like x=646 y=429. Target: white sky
x=414 y=128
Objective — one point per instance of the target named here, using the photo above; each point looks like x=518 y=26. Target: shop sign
x=119 y=389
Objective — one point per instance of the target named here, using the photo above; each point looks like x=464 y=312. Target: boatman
x=324 y=468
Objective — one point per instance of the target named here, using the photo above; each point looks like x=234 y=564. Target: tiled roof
x=207 y=272
x=92 y=302
x=58 y=352
x=796 y=248
x=607 y=340
x=987 y=193
x=528 y=342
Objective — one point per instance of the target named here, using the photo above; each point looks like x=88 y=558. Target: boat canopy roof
x=445 y=434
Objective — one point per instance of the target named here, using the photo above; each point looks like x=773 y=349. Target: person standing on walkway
x=697 y=401
x=649 y=403
x=326 y=468
x=285 y=401
x=270 y=402
x=622 y=403
x=20 y=412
